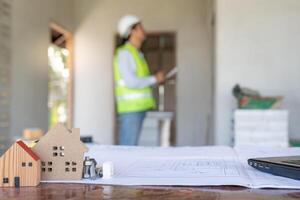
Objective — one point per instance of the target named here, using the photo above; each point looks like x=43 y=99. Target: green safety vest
x=128 y=99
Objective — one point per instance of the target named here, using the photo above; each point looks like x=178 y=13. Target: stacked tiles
x=261 y=128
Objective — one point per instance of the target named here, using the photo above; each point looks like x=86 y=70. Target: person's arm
x=128 y=72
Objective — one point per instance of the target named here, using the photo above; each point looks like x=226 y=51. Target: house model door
x=17 y=181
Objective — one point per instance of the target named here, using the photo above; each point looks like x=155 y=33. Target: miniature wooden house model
x=19 y=166
x=61 y=153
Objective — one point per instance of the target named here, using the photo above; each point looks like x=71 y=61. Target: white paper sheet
x=188 y=166
x=172 y=73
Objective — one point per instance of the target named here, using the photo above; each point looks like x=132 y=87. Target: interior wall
x=94 y=44
x=30 y=41
x=257 y=45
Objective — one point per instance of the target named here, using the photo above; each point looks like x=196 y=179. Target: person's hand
x=160 y=77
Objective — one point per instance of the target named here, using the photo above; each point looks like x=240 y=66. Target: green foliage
x=58 y=85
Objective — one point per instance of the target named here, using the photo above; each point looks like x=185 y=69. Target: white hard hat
x=125 y=24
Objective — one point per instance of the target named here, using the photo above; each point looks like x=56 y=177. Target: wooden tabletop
x=80 y=191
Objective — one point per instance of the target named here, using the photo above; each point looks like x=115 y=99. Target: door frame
x=70 y=63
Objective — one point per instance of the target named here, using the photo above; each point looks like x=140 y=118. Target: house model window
x=47 y=167
x=70 y=165
x=58 y=151
x=5 y=180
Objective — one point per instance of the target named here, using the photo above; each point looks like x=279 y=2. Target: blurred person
x=133 y=81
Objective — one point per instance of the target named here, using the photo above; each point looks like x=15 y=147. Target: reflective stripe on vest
x=120 y=83
x=133 y=96
x=132 y=100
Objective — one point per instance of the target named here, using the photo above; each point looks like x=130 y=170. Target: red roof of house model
x=28 y=150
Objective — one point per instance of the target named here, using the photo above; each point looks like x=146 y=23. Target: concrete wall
x=257 y=45
x=94 y=44
x=30 y=41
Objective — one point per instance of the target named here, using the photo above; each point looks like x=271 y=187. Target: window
x=67 y=169
x=74 y=169
x=74 y=163
x=50 y=169
x=5 y=180
x=58 y=151
x=43 y=163
x=43 y=169
x=67 y=163
x=49 y=163
x=23 y=164
x=30 y=164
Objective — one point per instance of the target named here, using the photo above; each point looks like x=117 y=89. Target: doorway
x=160 y=52
x=60 y=83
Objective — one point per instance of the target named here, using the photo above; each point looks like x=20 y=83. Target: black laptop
x=288 y=166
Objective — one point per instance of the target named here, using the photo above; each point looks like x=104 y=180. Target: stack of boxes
x=261 y=128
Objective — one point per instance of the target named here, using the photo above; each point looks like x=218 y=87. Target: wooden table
x=80 y=191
